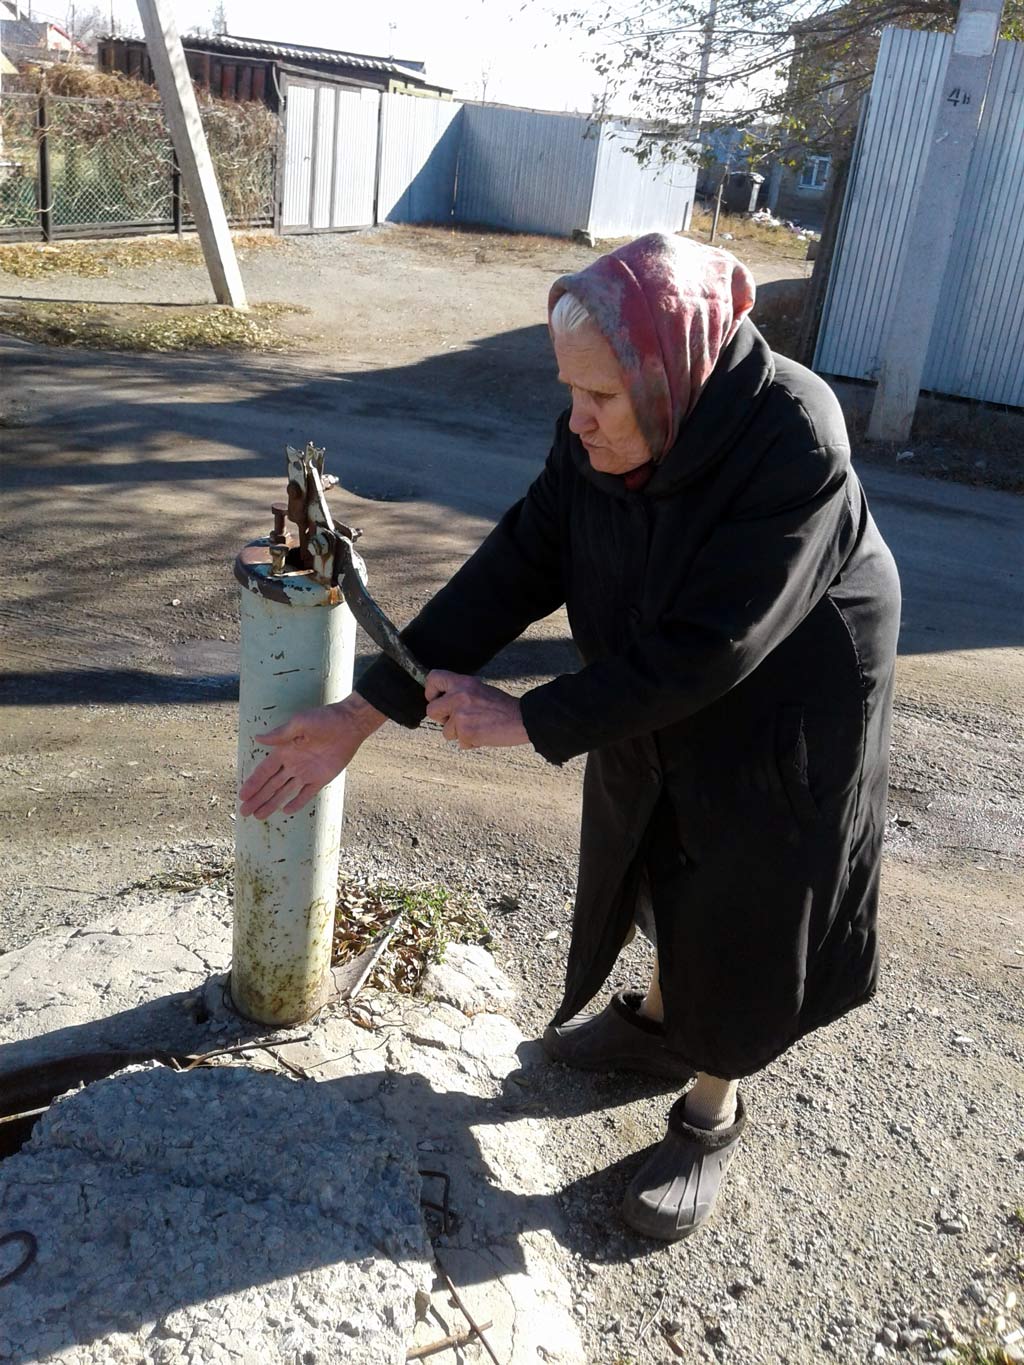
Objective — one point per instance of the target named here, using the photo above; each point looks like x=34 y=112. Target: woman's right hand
x=306 y=753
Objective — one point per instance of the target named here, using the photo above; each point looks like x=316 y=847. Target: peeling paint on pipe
x=297 y=651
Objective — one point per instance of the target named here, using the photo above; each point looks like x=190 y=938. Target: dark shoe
x=675 y=1190
x=617 y=1039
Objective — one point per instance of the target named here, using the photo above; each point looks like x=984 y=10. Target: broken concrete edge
x=437 y=1074
x=153 y=1196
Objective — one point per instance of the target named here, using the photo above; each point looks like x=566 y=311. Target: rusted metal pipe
x=297 y=652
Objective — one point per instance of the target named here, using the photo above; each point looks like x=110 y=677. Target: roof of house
x=298 y=52
x=23 y=33
x=30 y=33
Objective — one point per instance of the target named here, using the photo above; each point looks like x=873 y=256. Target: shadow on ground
x=221 y=1159
x=460 y=433
x=530 y=658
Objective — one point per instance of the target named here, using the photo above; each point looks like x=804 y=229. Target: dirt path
x=130 y=484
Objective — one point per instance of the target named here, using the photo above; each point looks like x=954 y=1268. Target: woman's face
x=602 y=411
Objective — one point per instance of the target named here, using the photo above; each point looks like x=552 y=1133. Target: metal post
x=297 y=652
x=814 y=298
x=45 y=202
x=175 y=193
x=933 y=218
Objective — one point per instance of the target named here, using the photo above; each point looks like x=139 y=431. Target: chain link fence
x=78 y=165
x=19 y=163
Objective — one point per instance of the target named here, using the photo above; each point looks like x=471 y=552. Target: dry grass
x=953 y=439
x=431 y=918
x=80 y=82
x=479 y=246
x=777 y=242
x=461 y=242
x=141 y=327
x=34 y=260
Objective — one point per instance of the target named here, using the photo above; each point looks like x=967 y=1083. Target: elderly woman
x=736 y=611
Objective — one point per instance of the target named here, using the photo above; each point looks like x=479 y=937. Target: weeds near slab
x=184 y=879
x=976 y=1354
x=432 y=917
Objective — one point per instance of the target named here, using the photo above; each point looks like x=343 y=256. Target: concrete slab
x=265 y=1207
x=129 y=980
x=227 y=1213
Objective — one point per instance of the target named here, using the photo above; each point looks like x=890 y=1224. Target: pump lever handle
x=381 y=630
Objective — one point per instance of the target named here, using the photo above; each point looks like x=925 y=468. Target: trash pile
x=765 y=219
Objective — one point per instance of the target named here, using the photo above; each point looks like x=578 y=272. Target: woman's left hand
x=474 y=714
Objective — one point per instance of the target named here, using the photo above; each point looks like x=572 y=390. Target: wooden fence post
x=43 y=141
x=817 y=286
x=718 y=208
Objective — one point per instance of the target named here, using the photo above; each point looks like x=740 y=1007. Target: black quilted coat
x=737 y=621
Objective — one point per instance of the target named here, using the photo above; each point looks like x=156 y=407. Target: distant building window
x=814 y=175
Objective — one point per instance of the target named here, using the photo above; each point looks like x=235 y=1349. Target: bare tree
x=86 y=23
x=791 y=74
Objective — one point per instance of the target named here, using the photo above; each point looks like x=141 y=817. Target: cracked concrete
x=224 y=1213
x=237 y=1212
x=50 y=990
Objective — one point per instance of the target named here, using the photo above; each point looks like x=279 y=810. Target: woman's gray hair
x=569 y=315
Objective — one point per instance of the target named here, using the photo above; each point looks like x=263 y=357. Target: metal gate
x=975 y=350
x=330 y=157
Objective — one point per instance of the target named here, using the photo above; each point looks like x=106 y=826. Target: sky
x=516 y=47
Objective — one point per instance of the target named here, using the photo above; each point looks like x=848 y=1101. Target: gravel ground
x=875 y=1211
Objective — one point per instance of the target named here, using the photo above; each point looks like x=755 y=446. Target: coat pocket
x=791 y=764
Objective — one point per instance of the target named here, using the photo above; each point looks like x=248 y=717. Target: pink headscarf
x=668 y=307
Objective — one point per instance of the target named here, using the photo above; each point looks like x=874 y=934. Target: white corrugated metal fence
x=298 y=157
x=330 y=164
x=975 y=350
x=435 y=161
x=525 y=171
x=631 y=197
x=419 y=153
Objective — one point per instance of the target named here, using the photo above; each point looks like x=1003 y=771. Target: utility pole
x=705 y=64
x=178 y=97
x=934 y=211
